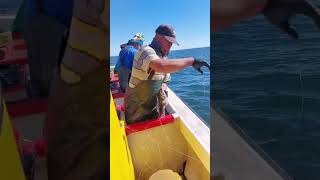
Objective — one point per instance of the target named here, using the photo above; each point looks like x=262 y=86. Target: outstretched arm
x=174 y=65
x=170 y=66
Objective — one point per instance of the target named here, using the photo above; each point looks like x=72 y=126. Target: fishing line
x=300 y=70
x=302 y=95
x=204 y=82
x=204 y=87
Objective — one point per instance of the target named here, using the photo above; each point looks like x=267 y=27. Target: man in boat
x=146 y=93
x=125 y=60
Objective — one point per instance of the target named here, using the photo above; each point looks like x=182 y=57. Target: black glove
x=279 y=12
x=197 y=64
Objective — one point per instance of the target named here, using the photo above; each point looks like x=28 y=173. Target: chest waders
x=144 y=101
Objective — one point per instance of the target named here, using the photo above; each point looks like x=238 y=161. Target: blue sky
x=190 y=18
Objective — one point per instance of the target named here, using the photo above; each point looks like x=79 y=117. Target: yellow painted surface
x=168 y=147
x=10 y=164
x=121 y=167
x=196 y=146
x=195 y=169
x=157 y=148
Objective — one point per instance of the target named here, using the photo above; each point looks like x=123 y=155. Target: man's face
x=166 y=45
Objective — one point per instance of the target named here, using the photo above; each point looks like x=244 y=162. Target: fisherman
x=146 y=96
x=125 y=60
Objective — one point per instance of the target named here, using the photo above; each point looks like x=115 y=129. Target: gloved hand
x=197 y=64
x=279 y=12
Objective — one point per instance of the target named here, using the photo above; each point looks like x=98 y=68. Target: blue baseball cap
x=137 y=39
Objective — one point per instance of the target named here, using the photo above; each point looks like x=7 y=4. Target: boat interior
x=168 y=143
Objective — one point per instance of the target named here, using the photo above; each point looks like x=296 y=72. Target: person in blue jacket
x=125 y=60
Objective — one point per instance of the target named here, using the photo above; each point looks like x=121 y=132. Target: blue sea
x=192 y=87
x=269 y=85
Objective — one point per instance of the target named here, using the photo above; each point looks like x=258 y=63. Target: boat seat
x=165 y=174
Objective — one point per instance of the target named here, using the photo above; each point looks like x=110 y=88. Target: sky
x=189 y=18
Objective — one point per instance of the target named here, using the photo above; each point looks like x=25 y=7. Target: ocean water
x=9 y=6
x=269 y=85
x=192 y=87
